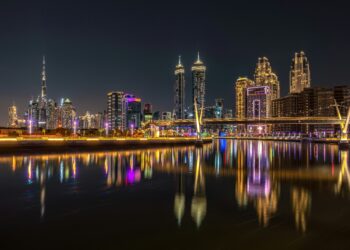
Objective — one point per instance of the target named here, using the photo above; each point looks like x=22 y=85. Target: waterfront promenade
x=53 y=144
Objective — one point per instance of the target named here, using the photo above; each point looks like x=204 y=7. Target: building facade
x=133 y=111
x=116 y=110
x=241 y=86
x=258 y=102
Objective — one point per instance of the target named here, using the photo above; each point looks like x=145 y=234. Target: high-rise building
x=51 y=114
x=13 y=118
x=264 y=76
x=147 y=112
x=32 y=115
x=242 y=84
x=68 y=114
x=42 y=99
x=198 y=83
x=299 y=76
x=116 y=110
x=40 y=110
x=180 y=90
x=132 y=111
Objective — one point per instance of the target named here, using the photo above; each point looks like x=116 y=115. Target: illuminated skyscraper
x=242 y=84
x=264 y=76
x=198 y=82
x=299 y=76
x=116 y=110
x=42 y=99
x=43 y=80
x=51 y=114
x=132 y=111
x=13 y=119
x=180 y=90
x=38 y=112
x=68 y=114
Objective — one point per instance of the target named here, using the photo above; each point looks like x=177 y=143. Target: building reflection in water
x=180 y=198
x=199 y=200
x=344 y=176
x=251 y=164
x=301 y=203
x=262 y=191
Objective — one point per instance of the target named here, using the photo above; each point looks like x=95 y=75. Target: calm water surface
x=228 y=195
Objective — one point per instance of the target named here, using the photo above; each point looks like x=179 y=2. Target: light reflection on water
x=265 y=176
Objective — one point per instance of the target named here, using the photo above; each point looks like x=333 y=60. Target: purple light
x=133 y=99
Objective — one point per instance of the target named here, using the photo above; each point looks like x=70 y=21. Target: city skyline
x=80 y=68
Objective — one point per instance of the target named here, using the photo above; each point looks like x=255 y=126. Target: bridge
x=271 y=120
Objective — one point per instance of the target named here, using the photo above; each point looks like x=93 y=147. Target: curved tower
x=180 y=90
x=198 y=82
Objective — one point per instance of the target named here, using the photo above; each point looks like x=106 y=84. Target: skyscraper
x=180 y=90
x=42 y=112
x=51 y=114
x=42 y=99
x=68 y=114
x=132 y=111
x=299 y=76
x=116 y=110
x=242 y=84
x=264 y=76
x=198 y=82
x=43 y=80
x=13 y=119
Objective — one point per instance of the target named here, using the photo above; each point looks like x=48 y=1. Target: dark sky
x=93 y=47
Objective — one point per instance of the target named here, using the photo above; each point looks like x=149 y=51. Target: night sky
x=93 y=47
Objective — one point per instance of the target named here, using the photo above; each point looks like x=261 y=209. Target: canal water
x=227 y=195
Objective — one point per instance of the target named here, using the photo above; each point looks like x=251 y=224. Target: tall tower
x=241 y=86
x=198 y=82
x=264 y=76
x=43 y=80
x=13 y=119
x=116 y=115
x=299 y=76
x=180 y=90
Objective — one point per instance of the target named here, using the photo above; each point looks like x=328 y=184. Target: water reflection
x=301 y=202
x=199 y=200
x=257 y=170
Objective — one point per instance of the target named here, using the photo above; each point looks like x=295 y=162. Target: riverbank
x=291 y=139
x=69 y=144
